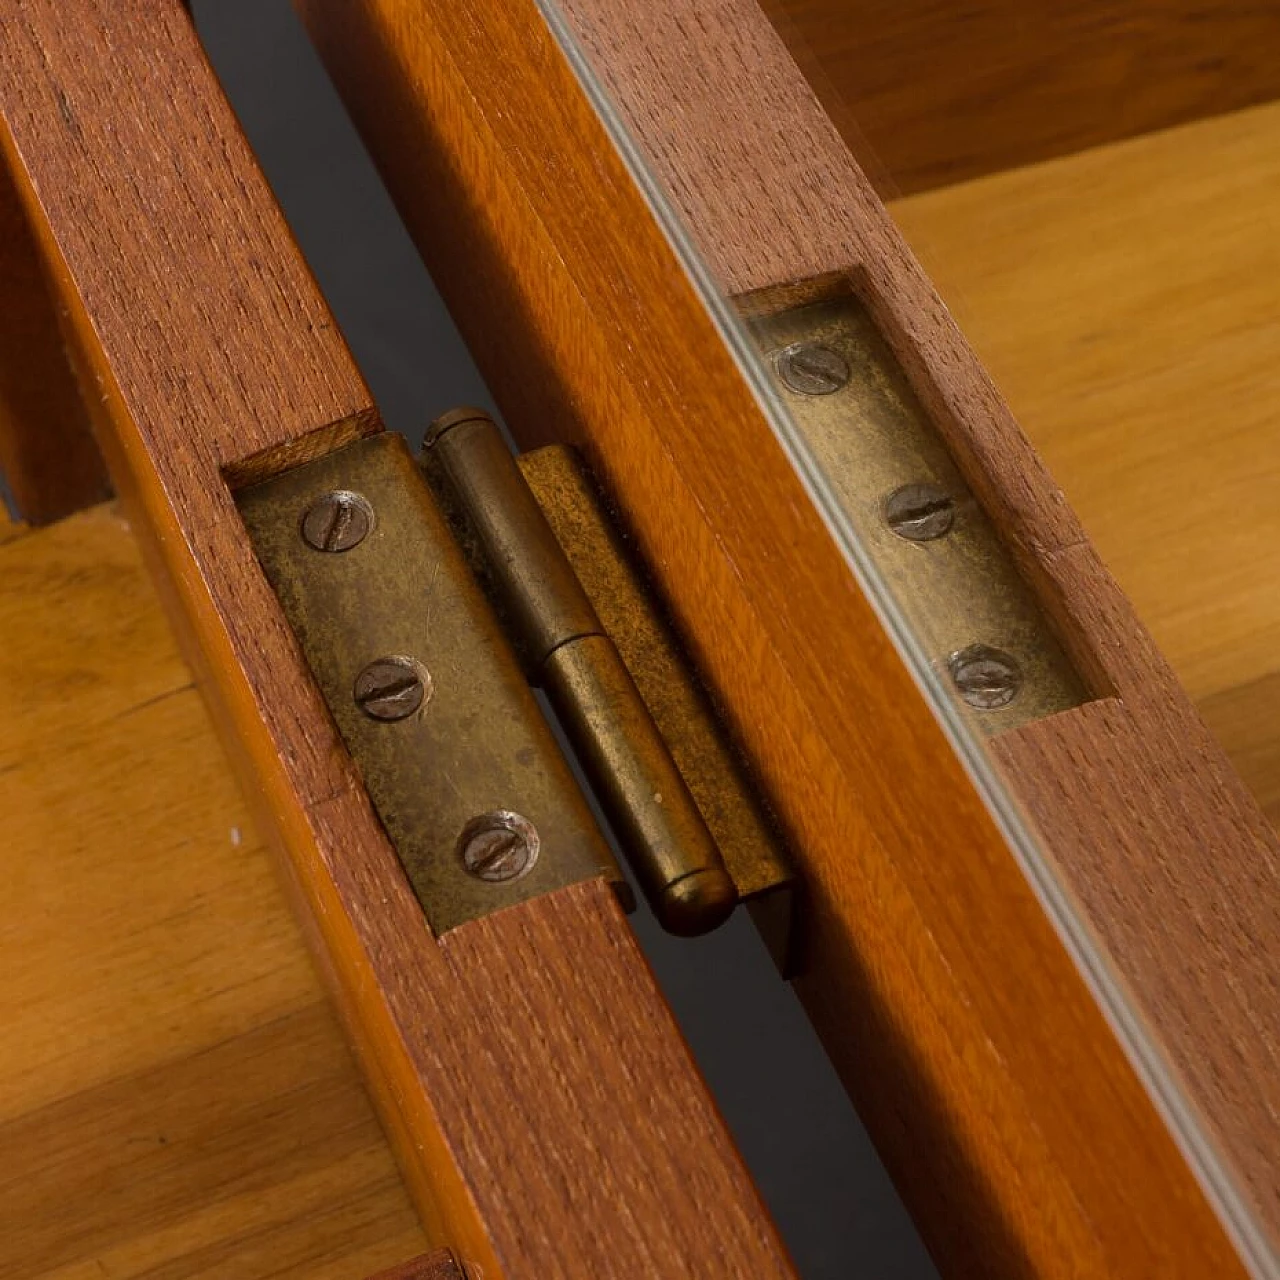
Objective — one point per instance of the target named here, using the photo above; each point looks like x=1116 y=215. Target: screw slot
x=812 y=369
x=920 y=512
x=337 y=522
x=392 y=688
x=986 y=678
x=498 y=846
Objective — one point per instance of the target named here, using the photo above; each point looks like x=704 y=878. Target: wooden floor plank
x=175 y=1097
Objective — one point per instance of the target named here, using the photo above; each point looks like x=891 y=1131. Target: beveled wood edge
x=545 y=1108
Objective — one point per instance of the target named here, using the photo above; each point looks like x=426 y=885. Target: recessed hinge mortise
x=994 y=648
x=427 y=611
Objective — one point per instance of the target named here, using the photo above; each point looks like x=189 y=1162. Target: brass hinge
x=428 y=601
x=971 y=605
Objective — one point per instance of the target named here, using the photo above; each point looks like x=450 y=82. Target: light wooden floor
x=175 y=1100
x=175 y=1097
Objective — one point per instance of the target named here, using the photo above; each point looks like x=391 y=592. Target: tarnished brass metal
x=567 y=651
x=398 y=615
x=532 y=583
x=713 y=771
x=638 y=785
x=908 y=502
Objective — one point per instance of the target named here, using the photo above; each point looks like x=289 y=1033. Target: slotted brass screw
x=920 y=512
x=392 y=688
x=812 y=369
x=986 y=678
x=499 y=846
x=337 y=522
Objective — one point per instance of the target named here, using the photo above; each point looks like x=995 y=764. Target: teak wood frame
x=947 y=999
x=941 y=987
x=546 y=1112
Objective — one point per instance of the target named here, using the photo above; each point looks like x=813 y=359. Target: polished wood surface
x=545 y=1109
x=960 y=1023
x=175 y=1095
x=931 y=92
x=47 y=456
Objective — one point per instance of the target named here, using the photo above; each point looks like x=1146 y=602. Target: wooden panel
x=935 y=93
x=959 y=1022
x=546 y=1111
x=175 y=1096
x=47 y=454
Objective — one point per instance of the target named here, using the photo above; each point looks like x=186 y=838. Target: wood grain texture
x=175 y=1096
x=1148 y=380
x=542 y=1102
x=934 y=93
x=435 y=1266
x=47 y=454
x=960 y=1024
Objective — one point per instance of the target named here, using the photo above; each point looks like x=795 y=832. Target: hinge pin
x=566 y=651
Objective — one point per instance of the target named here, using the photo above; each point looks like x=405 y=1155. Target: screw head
x=392 y=688
x=920 y=512
x=812 y=369
x=986 y=678
x=499 y=846
x=337 y=521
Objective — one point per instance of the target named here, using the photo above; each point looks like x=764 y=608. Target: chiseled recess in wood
x=939 y=986
x=1127 y=302
x=1162 y=376
x=207 y=343
x=166 y=1050
x=938 y=93
x=769 y=194
x=47 y=454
